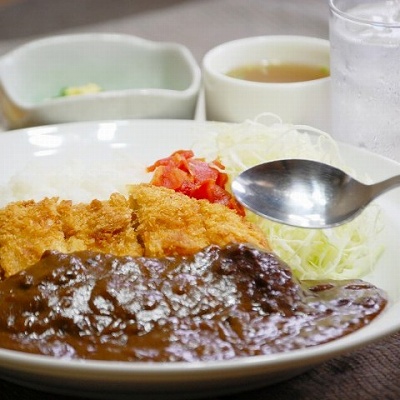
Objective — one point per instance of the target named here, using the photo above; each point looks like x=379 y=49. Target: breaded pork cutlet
x=153 y=222
x=28 y=228
x=170 y=223
x=104 y=226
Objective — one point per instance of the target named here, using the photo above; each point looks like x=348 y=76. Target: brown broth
x=279 y=73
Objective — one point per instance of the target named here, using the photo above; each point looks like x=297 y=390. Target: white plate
x=147 y=141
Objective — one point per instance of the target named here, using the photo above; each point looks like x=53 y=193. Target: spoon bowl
x=305 y=193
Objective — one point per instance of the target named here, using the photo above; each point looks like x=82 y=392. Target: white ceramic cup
x=235 y=100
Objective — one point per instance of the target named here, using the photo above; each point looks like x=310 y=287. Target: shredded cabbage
x=348 y=251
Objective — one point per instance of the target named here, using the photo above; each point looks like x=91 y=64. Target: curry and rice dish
x=159 y=276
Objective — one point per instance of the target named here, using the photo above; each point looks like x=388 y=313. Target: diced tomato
x=201 y=171
x=168 y=176
x=195 y=178
x=177 y=159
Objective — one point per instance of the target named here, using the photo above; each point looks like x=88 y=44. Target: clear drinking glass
x=365 y=74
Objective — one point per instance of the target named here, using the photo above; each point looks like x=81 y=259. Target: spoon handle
x=381 y=187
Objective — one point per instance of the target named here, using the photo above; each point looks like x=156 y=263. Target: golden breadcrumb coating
x=28 y=228
x=171 y=223
x=105 y=226
x=153 y=221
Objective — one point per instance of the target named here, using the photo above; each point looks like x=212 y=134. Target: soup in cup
x=283 y=75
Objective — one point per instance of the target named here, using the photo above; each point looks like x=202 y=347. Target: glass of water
x=365 y=74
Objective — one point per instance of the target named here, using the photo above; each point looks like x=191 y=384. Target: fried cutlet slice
x=29 y=228
x=224 y=226
x=171 y=223
x=105 y=226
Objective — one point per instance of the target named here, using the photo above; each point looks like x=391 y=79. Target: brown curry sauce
x=221 y=303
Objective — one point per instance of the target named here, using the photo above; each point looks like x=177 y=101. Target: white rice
x=78 y=180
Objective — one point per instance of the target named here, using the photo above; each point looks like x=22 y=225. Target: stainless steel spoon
x=305 y=193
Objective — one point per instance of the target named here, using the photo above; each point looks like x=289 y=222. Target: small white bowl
x=139 y=79
x=234 y=100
